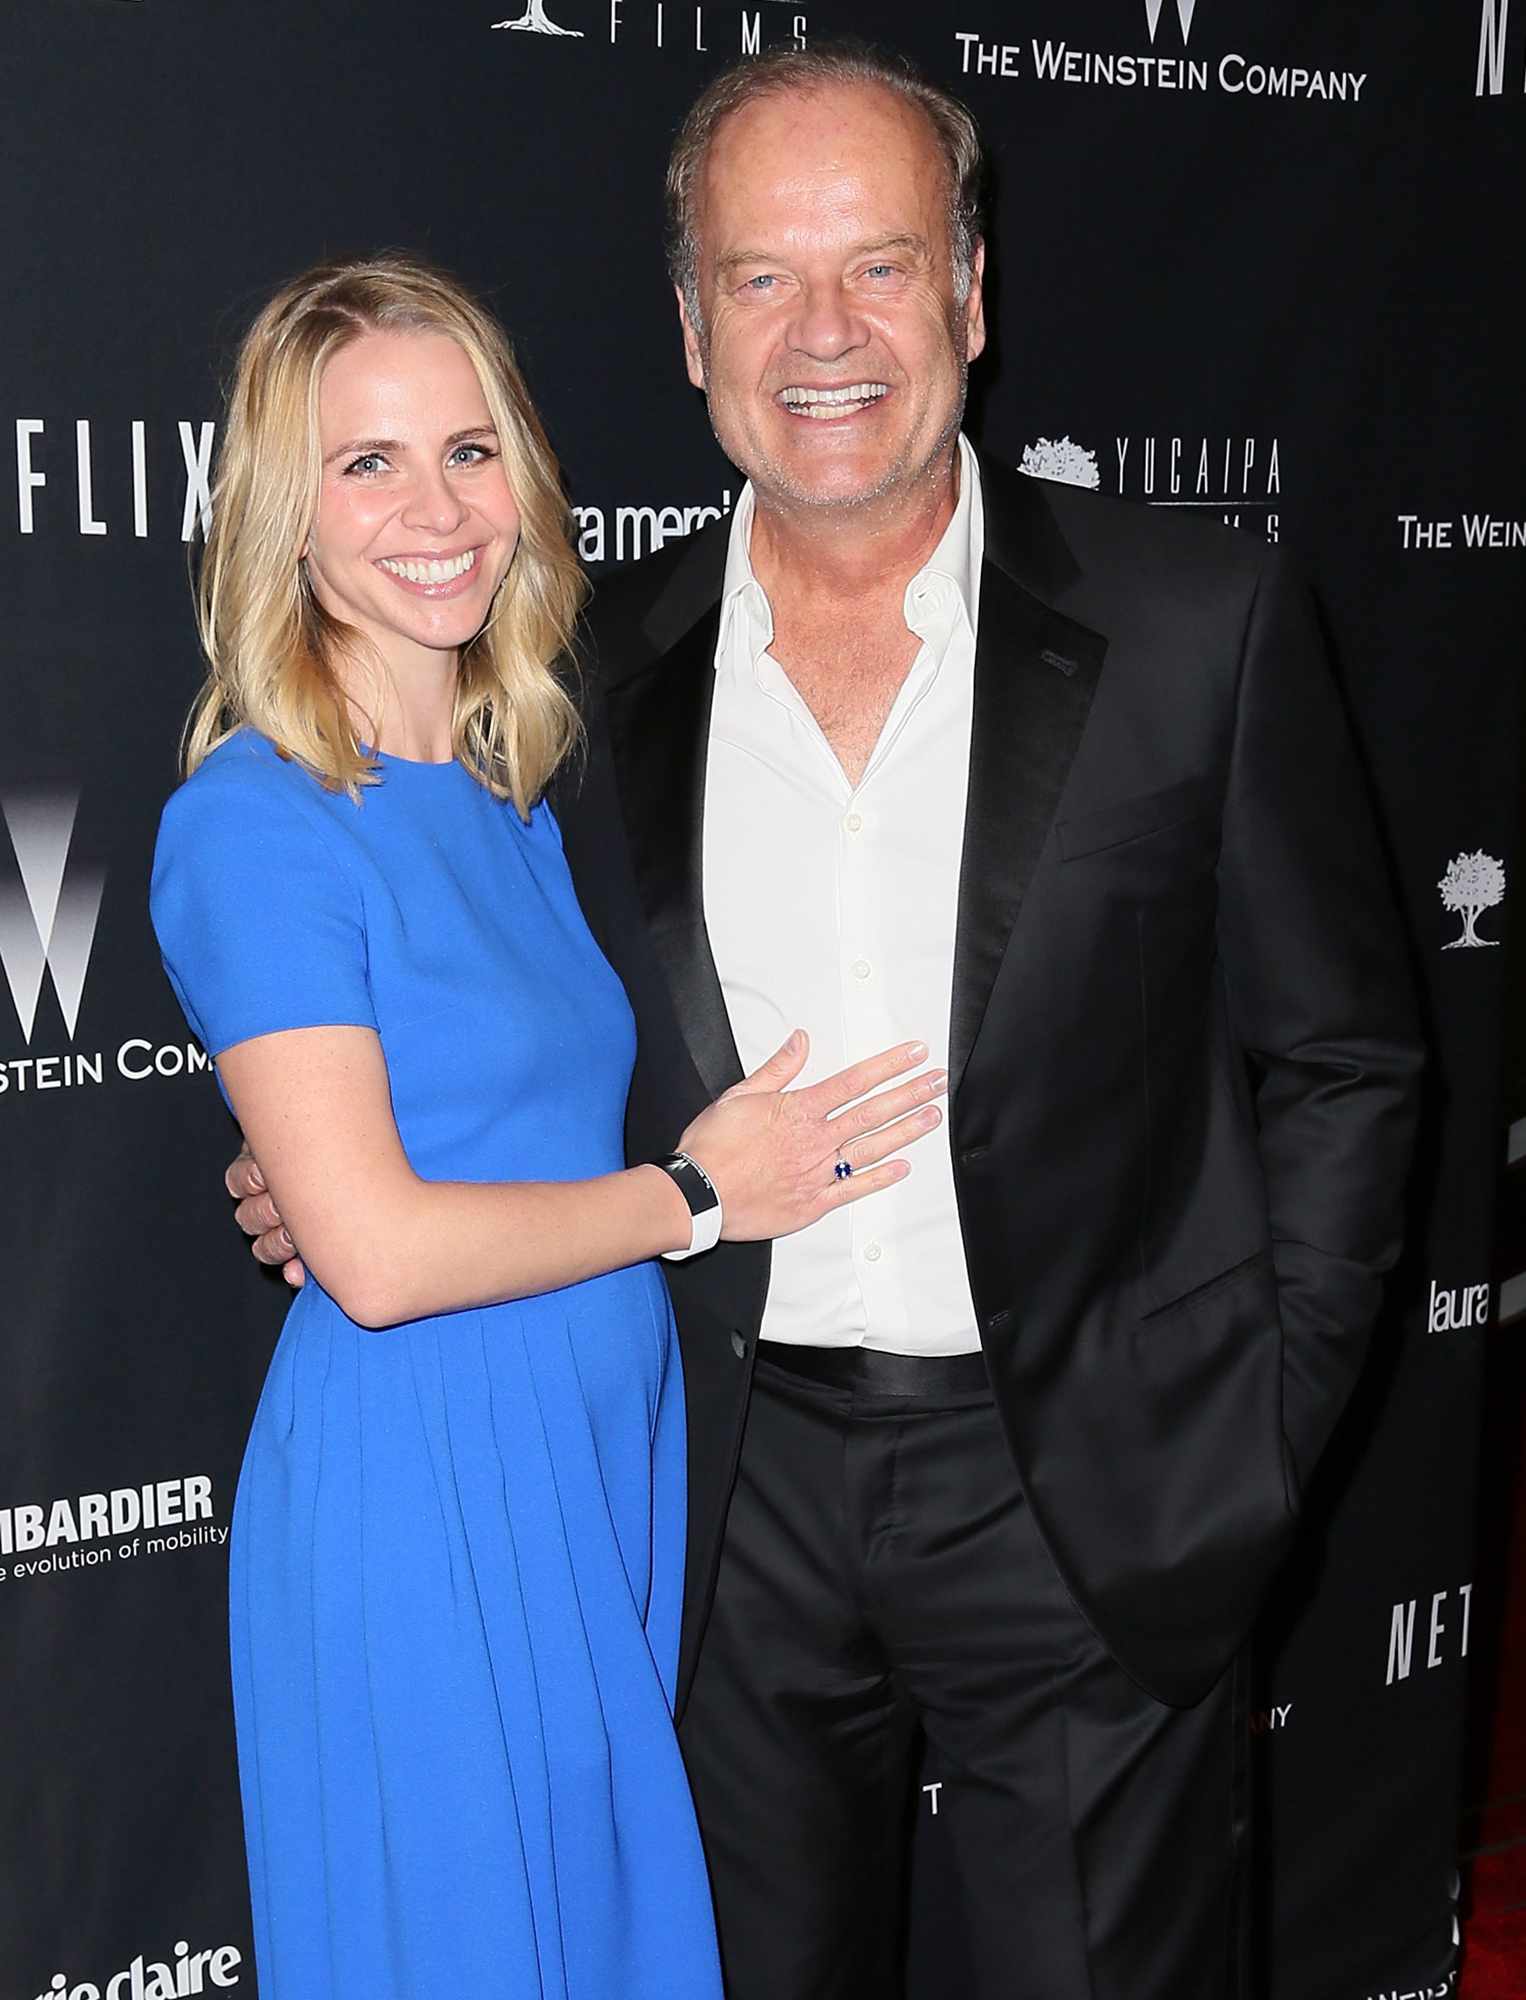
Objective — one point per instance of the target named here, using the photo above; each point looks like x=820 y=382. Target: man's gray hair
x=840 y=61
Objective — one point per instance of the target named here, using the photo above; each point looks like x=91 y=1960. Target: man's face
x=833 y=347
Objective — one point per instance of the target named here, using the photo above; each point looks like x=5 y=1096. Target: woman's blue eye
x=367 y=462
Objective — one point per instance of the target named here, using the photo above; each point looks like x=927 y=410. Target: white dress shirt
x=832 y=907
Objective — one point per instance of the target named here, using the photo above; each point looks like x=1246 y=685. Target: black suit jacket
x=1183 y=1055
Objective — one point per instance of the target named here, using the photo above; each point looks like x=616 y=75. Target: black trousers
x=882 y=1577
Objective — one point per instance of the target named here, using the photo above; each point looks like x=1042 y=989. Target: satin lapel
x=1035 y=672
x=659 y=724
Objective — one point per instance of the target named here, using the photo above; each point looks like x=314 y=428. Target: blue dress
x=457 y=1548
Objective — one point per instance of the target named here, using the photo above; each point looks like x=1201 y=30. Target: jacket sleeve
x=1320 y=999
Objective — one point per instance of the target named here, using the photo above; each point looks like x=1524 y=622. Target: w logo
x=1493 y=27
x=1184 y=12
x=47 y=923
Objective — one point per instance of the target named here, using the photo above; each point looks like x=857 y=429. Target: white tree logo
x=1063 y=459
x=1472 y=883
x=536 y=21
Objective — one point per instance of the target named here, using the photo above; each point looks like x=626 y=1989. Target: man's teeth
x=831 y=402
x=431 y=572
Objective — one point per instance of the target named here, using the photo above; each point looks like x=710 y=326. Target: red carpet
x=1494 y=1828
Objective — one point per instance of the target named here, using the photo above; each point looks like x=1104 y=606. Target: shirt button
x=854 y=822
x=872 y=1253
x=860 y=968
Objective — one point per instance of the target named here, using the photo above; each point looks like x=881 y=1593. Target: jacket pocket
x=1132 y=819
x=1209 y=1288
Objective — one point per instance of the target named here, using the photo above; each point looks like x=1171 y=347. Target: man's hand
x=258 y=1216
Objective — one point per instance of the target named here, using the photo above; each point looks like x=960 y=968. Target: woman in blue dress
x=457 y=1548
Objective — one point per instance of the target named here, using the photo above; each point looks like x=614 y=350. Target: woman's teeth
x=432 y=571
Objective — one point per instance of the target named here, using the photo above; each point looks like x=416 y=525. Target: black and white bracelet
x=699 y=1191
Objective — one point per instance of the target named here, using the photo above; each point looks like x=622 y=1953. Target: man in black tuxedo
x=913 y=746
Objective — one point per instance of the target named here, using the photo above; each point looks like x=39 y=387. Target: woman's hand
x=258 y=1216
x=772 y=1152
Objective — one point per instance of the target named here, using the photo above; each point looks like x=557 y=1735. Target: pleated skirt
x=456 y=1576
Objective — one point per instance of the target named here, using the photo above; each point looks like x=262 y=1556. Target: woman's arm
x=387 y=1246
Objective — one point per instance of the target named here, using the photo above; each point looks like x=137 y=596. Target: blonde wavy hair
x=272 y=649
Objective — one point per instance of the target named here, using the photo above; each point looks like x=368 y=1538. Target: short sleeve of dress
x=260 y=925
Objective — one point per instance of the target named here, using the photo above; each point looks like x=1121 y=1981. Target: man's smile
x=822 y=405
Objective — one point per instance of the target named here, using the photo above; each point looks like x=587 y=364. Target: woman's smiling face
x=416 y=526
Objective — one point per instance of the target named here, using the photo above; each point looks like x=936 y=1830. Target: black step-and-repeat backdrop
x=1250 y=257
